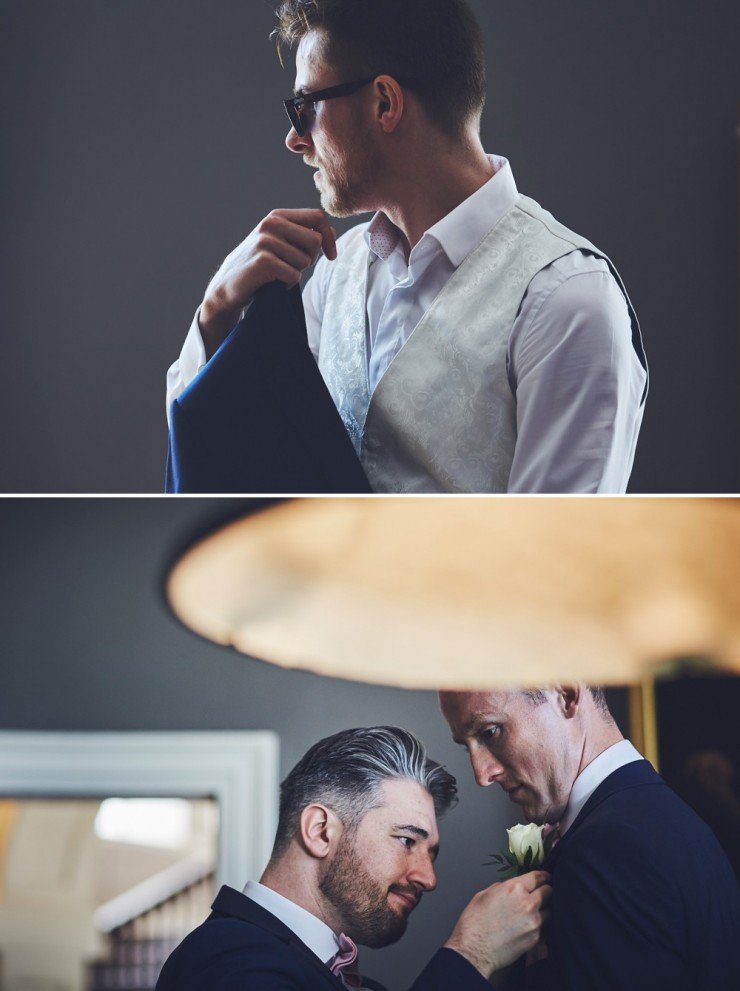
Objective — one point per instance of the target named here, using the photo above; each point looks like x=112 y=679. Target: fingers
x=311 y=221
x=297 y=257
x=535 y=879
x=281 y=247
x=544 y=893
x=333 y=245
x=282 y=272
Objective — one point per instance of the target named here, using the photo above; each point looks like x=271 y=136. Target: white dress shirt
x=577 y=378
x=591 y=777
x=317 y=936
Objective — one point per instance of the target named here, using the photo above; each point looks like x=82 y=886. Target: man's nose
x=423 y=874
x=486 y=768
x=295 y=143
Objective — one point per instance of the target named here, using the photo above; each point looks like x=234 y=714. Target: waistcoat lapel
x=343 y=348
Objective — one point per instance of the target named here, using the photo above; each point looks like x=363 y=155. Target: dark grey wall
x=88 y=644
x=142 y=141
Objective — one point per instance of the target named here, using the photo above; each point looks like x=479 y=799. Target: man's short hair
x=436 y=43
x=345 y=772
x=537 y=696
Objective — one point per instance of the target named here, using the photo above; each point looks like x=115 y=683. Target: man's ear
x=390 y=105
x=569 y=698
x=319 y=830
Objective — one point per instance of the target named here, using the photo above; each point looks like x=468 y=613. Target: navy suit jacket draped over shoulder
x=259 y=418
x=243 y=947
x=644 y=899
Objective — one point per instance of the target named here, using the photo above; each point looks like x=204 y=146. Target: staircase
x=144 y=925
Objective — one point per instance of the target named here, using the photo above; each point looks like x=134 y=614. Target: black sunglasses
x=299 y=108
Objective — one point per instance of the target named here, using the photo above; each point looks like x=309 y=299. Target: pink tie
x=343 y=963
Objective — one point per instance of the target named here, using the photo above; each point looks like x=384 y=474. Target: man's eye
x=490 y=733
x=407 y=841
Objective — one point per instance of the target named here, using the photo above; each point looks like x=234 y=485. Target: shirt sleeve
x=578 y=382
x=188 y=365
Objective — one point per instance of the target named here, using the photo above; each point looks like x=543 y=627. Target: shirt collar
x=317 y=936
x=591 y=777
x=463 y=228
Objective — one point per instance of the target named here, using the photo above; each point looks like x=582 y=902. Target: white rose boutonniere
x=529 y=844
x=526 y=844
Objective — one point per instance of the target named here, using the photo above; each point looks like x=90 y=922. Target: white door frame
x=238 y=769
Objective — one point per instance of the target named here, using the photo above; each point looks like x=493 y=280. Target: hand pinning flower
x=529 y=844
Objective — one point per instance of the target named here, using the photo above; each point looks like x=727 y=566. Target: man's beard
x=338 y=197
x=345 y=194
x=361 y=902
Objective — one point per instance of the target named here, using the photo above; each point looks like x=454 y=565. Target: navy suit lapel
x=632 y=775
x=237 y=905
x=635 y=774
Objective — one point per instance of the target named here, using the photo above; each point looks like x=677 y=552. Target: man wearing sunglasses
x=470 y=342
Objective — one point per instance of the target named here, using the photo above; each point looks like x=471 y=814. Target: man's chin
x=538 y=815
x=335 y=206
x=391 y=934
x=532 y=813
x=336 y=210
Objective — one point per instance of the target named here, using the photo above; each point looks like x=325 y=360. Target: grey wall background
x=142 y=141
x=88 y=644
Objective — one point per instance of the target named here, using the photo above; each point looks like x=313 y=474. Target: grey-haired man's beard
x=361 y=902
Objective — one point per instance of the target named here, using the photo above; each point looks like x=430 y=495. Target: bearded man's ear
x=319 y=830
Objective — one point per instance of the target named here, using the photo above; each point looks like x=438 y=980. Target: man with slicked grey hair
x=354 y=853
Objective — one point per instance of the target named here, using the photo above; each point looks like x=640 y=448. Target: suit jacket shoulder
x=642 y=892
x=241 y=947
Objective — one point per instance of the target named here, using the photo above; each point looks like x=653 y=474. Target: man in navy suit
x=354 y=852
x=644 y=899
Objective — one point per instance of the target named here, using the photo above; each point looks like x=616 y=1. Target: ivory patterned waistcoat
x=443 y=416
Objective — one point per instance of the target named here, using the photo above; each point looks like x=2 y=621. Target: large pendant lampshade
x=472 y=593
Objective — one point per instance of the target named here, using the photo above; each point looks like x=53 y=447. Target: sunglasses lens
x=294 y=119
x=303 y=116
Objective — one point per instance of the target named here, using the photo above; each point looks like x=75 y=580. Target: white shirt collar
x=591 y=777
x=462 y=229
x=317 y=936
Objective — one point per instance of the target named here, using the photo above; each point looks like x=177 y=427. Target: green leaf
x=496 y=858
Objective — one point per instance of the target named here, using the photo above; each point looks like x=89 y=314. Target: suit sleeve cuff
x=448 y=969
